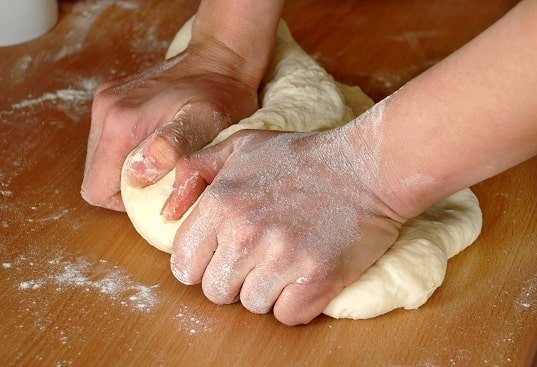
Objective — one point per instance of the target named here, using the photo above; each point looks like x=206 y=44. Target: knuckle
x=215 y=111
x=163 y=153
x=292 y=305
x=319 y=272
x=287 y=316
x=217 y=290
x=173 y=134
x=253 y=298
x=216 y=197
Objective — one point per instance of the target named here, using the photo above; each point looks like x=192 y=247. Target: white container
x=24 y=20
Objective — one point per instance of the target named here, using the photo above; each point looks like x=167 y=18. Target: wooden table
x=80 y=287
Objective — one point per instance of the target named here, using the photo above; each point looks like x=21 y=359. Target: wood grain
x=80 y=287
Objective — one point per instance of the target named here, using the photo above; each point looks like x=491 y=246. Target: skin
x=285 y=212
x=179 y=106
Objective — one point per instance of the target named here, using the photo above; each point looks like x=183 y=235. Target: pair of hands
x=288 y=219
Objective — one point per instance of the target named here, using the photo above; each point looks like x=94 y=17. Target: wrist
x=246 y=29
x=376 y=155
x=212 y=55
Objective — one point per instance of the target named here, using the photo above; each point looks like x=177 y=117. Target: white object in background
x=24 y=20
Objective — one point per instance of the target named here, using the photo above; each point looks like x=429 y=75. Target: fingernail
x=141 y=169
x=168 y=207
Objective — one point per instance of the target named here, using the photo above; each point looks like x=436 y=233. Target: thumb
x=156 y=155
x=195 y=125
x=194 y=172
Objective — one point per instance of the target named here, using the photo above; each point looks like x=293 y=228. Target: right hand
x=166 y=112
x=288 y=220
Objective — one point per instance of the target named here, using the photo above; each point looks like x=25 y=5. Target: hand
x=288 y=221
x=172 y=109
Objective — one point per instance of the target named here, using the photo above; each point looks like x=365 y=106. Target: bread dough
x=299 y=95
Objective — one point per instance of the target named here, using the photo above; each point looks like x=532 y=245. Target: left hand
x=164 y=113
x=288 y=221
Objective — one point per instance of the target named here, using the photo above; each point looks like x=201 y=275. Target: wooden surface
x=80 y=287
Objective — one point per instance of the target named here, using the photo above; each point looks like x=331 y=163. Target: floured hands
x=287 y=221
x=167 y=111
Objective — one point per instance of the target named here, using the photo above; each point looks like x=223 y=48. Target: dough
x=299 y=95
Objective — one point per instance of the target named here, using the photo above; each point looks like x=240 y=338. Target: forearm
x=246 y=27
x=470 y=117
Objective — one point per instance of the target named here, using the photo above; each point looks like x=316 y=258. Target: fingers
x=209 y=161
x=108 y=147
x=188 y=186
x=261 y=289
x=114 y=132
x=195 y=172
x=225 y=274
x=157 y=155
x=193 y=248
x=221 y=264
x=189 y=131
x=301 y=303
x=228 y=269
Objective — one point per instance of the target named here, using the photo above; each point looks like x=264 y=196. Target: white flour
x=106 y=281
x=19 y=70
x=74 y=100
x=190 y=323
x=31 y=284
x=70 y=94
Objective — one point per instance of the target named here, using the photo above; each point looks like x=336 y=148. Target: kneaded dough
x=299 y=95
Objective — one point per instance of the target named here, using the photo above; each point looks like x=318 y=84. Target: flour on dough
x=299 y=95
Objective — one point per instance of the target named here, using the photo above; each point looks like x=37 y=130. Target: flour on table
x=299 y=95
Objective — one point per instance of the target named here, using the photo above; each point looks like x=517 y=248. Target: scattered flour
x=6 y=193
x=190 y=323
x=31 y=284
x=21 y=67
x=149 y=41
x=51 y=217
x=528 y=295
x=129 y=5
x=70 y=94
x=68 y=50
x=109 y=282
x=74 y=101
x=113 y=283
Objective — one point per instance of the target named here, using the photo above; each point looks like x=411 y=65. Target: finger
x=157 y=155
x=113 y=135
x=106 y=154
x=261 y=289
x=101 y=103
x=194 y=173
x=193 y=247
x=301 y=303
x=99 y=107
x=264 y=284
x=188 y=186
x=119 y=125
x=193 y=126
x=228 y=268
x=210 y=160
